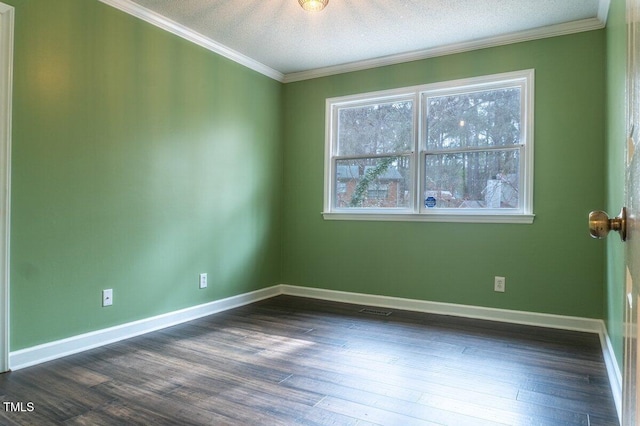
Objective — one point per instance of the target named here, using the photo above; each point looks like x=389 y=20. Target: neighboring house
x=385 y=191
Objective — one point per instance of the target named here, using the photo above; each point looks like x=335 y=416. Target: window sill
x=447 y=217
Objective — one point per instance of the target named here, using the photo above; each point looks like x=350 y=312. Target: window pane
x=373 y=183
x=487 y=118
x=375 y=129
x=474 y=180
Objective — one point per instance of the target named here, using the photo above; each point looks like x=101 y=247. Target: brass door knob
x=600 y=224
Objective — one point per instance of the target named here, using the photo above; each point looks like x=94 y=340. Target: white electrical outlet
x=107 y=297
x=499 y=284
x=203 y=280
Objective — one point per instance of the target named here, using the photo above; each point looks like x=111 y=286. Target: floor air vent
x=375 y=312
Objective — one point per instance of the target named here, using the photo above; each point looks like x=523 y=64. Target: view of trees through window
x=473 y=149
x=444 y=147
x=366 y=175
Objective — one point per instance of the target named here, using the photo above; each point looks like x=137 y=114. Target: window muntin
x=450 y=151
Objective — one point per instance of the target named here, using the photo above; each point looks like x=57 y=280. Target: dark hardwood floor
x=291 y=360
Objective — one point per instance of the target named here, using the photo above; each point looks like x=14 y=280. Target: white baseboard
x=57 y=349
x=52 y=350
x=492 y=314
x=613 y=370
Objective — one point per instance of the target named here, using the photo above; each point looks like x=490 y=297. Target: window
x=452 y=151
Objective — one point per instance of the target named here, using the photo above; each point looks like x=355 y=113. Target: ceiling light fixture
x=313 y=5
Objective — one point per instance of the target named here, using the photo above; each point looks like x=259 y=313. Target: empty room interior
x=219 y=212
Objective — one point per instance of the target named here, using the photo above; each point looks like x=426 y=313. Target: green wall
x=139 y=161
x=551 y=266
x=615 y=158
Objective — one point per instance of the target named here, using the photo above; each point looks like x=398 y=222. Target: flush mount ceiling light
x=313 y=5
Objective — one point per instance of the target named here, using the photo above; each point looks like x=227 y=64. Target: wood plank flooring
x=289 y=360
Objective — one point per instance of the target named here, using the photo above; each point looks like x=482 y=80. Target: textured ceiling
x=282 y=36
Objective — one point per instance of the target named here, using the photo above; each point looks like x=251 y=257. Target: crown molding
x=517 y=37
x=180 y=30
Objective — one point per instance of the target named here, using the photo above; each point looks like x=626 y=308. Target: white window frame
x=417 y=211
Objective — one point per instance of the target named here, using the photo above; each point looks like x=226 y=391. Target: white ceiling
x=280 y=39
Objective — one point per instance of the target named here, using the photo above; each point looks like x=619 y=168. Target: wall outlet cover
x=203 y=280
x=107 y=297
